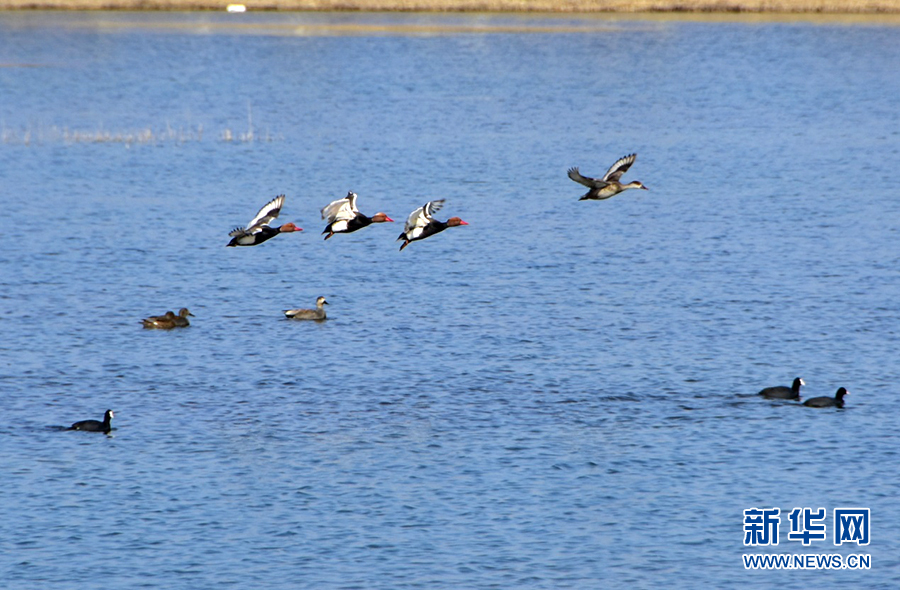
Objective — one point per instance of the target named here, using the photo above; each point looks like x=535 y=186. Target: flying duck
x=258 y=230
x=609 y=185
x=343 y=217
x=421 y=223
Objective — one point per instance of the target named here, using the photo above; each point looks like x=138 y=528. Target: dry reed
x=55 y=135
x=564 y=6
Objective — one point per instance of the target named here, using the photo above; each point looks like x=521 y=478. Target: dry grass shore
x=551 y=6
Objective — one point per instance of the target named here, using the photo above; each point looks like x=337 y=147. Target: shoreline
x=794 y=7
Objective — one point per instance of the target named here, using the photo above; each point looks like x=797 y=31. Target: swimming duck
x=343 y=217
x=609 y=185
x=181 y=320
x=95 y=425
x=828 y=402
x=308 y=314
x=258 y=230
x=421 y=223
x=169 y=320
x=782 y=392
x=155 y=321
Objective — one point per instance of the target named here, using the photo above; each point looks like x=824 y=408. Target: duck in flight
x=343 y=217
x=609 y=185
x=421 y=223
x=258 y=230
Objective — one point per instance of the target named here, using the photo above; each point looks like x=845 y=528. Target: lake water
x=559 y=395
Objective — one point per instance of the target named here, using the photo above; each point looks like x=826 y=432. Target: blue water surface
x=561 y=394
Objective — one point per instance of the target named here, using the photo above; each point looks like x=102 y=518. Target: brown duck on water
x=308 y=314
x=168 y=321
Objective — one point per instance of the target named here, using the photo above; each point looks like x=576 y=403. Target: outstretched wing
x=432 y=207
x=621 y=166
x=416 y=219
x=351 y=196
x=341 y=210
x=238 y=231
x=422 y=216
x=268 y=212
x=585 y=180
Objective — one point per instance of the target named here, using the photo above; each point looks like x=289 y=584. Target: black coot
x=782 y=392
x=95 y=425
x=828 y=402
